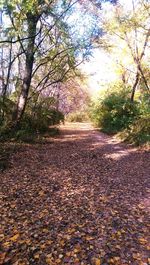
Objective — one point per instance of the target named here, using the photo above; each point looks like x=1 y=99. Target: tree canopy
x=43 y=42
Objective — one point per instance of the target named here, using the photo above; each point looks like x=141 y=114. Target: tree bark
x=135 y=86
x=29 y=60
x=144 y=78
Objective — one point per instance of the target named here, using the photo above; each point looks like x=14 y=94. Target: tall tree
x=45 y=42
x=129 y=34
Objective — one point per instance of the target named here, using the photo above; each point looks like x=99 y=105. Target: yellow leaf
x=72 y=230
x=77 y=260
x=41 y=193
x=119 y=233
x=6 y=244
x=36 y=256
x=116 y=259
x=89 y=238
x=104 y=198
x=136 y=256
x=123 y=231
x=141 y=206
x=62 y=242
x=28 y=241
x=68 y=254
x=13 y=206
x=148 y=247
x=45 y=211
x=14 y=238
x=118 y=247
x=49 y=261
x=76 y=250
x=143 y=241
x=67 y=237
x=58 y=261
x=45 y=230
x=111 y=260
x=2 y=237
x=43 y=246
x=97 y=261
x=22 y=263
x=49 y=242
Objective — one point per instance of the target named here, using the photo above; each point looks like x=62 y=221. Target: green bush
x=40 y=114
x=33 y=125
x=7 y=108
x=139 y=131
x=114 y=112
x=144 y=105
x=77 y=117
x=25 y=136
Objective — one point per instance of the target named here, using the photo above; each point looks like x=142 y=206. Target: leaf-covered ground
x=82 y=198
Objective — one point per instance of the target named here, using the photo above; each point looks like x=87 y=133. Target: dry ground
x=81 y=198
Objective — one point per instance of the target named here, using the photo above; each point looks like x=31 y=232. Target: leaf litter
x=82 y=198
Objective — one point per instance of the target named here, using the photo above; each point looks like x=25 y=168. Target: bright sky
x=100 y=68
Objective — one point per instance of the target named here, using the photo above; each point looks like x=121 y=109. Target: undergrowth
x=114 y=113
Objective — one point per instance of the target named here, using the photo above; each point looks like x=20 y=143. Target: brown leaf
x=2 y=257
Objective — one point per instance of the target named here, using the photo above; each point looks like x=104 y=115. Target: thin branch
x=57 y=18
x=50 y=59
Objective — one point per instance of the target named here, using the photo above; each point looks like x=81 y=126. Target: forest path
x=82 y=198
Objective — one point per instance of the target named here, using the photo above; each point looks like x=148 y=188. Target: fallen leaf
x=2 y=257
x=14 y=238
x=143 y=241
x=6 y=244
x=49 y=261
x=97 y=261
x=41 y=193
x=36 y=256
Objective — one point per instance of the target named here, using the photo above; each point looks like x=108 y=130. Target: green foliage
x=77 y=117
x=114 y=112
x=7 y=107
x=37 y=119
x=145 y=104
x=139 y=131
x=41 y=119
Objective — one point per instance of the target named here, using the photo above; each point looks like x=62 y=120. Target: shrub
x=7 y=107
x=114 y=113
x=77 y=117
x=139 y=131
x=40 y=114
x=33 y=125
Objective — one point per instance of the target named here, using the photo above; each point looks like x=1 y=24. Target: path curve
x=82 y=198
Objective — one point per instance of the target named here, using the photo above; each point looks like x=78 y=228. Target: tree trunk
x=144 y=79
x=22 y=101
x=135 y=86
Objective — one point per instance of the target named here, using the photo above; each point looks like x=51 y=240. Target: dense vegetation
x=44 y=43
x=125 y=106
x=114 y=112
x=37 y=119
x=40 y=50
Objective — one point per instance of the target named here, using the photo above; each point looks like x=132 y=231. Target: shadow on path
x=82 y=199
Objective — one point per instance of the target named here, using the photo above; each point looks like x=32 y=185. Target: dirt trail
x=82 y=198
